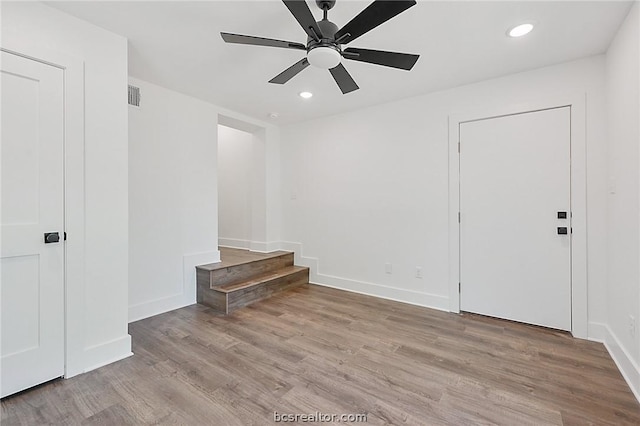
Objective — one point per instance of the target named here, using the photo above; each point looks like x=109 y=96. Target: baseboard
x=599 y=332
x=264 y=246
x=257 y=246
x=426 y=300
x=158 y=306
x=106 y=353
x=187 y=295
x=234 y=243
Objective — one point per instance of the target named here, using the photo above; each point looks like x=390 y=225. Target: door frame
x=73 y=193
x=577 y=103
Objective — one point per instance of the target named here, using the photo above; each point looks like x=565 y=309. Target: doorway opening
x=241 y=184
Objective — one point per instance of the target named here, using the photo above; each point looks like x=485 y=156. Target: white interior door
x=32 y=272
x=514 y=181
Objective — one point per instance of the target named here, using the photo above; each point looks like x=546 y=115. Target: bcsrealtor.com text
x=318 y=417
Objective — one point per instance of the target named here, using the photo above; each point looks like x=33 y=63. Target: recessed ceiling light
x=520 y=30
x=305 y=95
x=273 y=115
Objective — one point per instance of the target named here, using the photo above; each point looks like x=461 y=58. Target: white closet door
x=515 y=262
x=32 y=287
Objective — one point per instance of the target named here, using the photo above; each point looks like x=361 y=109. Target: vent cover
x=134 y=96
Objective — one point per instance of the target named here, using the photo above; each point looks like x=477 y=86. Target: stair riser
x=214 y=299
x=243 y=272
x=250 y=295
x=224 y=303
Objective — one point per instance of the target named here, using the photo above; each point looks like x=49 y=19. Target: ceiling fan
x=324 y=41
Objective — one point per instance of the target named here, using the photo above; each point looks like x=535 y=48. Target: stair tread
x=242 y=257
x=259 y=279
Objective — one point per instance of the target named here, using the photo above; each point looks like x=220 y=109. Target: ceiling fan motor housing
x=324 y=40
x=325 y=4
x=325 y=53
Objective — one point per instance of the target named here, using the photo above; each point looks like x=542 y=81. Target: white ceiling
x=177 y=45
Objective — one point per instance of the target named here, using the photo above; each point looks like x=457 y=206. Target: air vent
x=134 y=96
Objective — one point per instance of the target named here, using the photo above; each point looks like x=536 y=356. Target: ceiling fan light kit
x=324 y=57
x=324 y=40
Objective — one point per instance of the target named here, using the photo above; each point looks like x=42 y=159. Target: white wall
x=235 y=152
x=172 y=198
x=100 y=315
x=369 y=187
x=623 y=291
x=173 y=195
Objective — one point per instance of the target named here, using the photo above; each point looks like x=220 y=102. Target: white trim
x=628 y=368
x=597 y=332
x=157 y=306
x=257 y=246
x=105 y=353
x=577 y=102
x=264 y=246
x=362 y=287
x=234 y=243
x=187 y=295
x=74 y=196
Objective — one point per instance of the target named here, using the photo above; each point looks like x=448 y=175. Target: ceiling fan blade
x=259 y=41
x=403 y=61
x=290 y=72
x=343 y=78
x=376 y=13
x=303 y=15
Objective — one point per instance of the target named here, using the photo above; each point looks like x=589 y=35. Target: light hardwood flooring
x=319 y=349
x=230 y=257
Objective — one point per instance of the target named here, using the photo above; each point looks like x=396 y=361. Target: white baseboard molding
x=265 y=247
x=425 y=300
x=158 y=306
x=106 y=353
x=598 y=332
x=234 y=243
x=629 y=369
x=257 y=246
x=370 y=289
x=187 y=295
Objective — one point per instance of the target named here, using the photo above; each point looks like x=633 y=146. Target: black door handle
x=51 y=237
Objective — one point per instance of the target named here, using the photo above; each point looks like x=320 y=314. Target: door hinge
x=458 y=147
x=459 y=287
x=458 y=217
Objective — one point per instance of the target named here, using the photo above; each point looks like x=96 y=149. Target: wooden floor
x=318 y=349
x=232 y=257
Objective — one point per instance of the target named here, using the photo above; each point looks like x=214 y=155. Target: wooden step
x=241 y=265
x=226 y=298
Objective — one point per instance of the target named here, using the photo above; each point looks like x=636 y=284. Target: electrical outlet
x=388 y=268
x=632 y=325
x=418 y=271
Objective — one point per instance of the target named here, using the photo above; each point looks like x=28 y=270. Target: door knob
x=51 y=237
